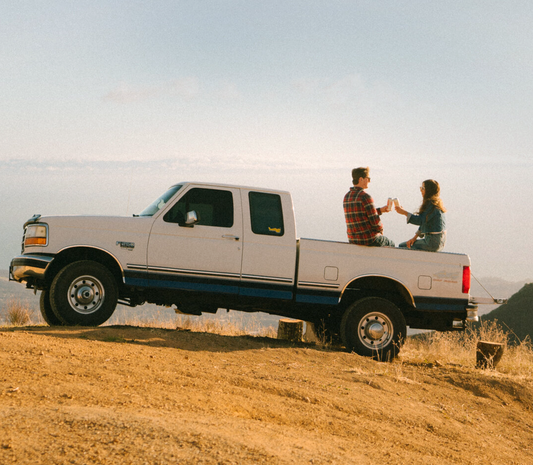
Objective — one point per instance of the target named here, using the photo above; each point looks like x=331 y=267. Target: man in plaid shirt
x=362 y=218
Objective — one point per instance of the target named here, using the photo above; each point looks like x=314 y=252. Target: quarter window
x=266 y=214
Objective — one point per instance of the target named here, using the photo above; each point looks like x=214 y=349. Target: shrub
x=18 y=314
x=460 y=348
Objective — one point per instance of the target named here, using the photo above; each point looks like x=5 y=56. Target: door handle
x=230 y=236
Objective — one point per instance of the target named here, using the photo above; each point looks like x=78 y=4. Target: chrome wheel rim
x=86 y=294
x=375 y=330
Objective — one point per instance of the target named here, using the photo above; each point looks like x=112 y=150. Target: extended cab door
x=206 y=256
x=269 y=257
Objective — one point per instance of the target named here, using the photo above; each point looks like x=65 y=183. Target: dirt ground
x=126 y=395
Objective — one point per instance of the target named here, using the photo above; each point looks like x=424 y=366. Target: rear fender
x=379 y=286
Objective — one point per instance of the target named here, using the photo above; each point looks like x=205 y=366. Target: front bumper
x=30 y=268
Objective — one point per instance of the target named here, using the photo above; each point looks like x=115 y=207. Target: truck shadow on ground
x=171 y=338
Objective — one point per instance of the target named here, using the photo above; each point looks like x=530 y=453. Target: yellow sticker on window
x=276 y=230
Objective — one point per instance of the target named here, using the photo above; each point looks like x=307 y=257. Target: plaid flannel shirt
x=362 y=218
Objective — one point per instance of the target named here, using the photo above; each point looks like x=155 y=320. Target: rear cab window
x=266 y=214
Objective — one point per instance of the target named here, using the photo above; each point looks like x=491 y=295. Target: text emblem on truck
x=126 y=245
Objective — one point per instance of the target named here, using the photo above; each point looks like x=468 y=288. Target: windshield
x=160 y=202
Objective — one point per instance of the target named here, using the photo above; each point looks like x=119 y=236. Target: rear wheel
x=84 y=293
x=373 y=327
x=46 y=310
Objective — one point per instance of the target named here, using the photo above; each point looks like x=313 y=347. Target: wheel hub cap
x=86 y=294
x=375 y=330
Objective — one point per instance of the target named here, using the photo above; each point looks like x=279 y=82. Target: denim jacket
x=431 y=220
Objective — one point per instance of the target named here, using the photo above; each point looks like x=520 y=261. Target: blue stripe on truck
x=317 y=299
x=439 y=304
x=202 y=284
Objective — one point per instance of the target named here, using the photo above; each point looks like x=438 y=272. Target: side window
x=266 y=214
x=214 y=208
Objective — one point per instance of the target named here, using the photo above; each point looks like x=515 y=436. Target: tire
x=373 y=327
x=325 y=331
x=46 y=310
x=84 y=293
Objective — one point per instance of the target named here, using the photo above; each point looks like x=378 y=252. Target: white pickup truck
x=202 y=247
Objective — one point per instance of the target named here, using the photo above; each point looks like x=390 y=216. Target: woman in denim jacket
x=431 y=234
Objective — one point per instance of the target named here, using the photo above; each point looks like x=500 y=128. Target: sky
x=103 y=105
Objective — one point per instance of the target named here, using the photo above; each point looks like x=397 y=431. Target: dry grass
x=18 y=314
x=226 y=328
x=460 y=348
x=236 y=326
x=205 y=324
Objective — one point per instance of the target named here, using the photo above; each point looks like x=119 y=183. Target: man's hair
x=359 y=173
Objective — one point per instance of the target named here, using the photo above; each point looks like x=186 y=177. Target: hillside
x=126 y=395
x=516 y=314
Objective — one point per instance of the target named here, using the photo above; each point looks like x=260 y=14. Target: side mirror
x=192 y=219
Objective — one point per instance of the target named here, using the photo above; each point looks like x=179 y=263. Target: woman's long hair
x=431 y=196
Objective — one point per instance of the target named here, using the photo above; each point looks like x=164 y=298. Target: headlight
x=36 y=234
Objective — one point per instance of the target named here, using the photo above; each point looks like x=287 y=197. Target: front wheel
x=84 y=293
x=46 y=310
x=373 y=327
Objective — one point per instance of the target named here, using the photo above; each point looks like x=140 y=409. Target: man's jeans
x=382 y=241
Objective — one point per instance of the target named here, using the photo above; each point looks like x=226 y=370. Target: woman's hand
x=401 y=211
x=410 y=242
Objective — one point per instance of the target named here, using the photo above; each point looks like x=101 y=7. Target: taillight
x=466 y=279
x=36 y=234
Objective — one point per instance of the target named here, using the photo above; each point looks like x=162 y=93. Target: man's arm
x=372 y=214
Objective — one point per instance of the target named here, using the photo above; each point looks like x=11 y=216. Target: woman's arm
x=401 y=211
x=411 y=217
x=410 y=242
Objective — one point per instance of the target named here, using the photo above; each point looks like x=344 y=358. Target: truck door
x=269 y=259
x=205 y=256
